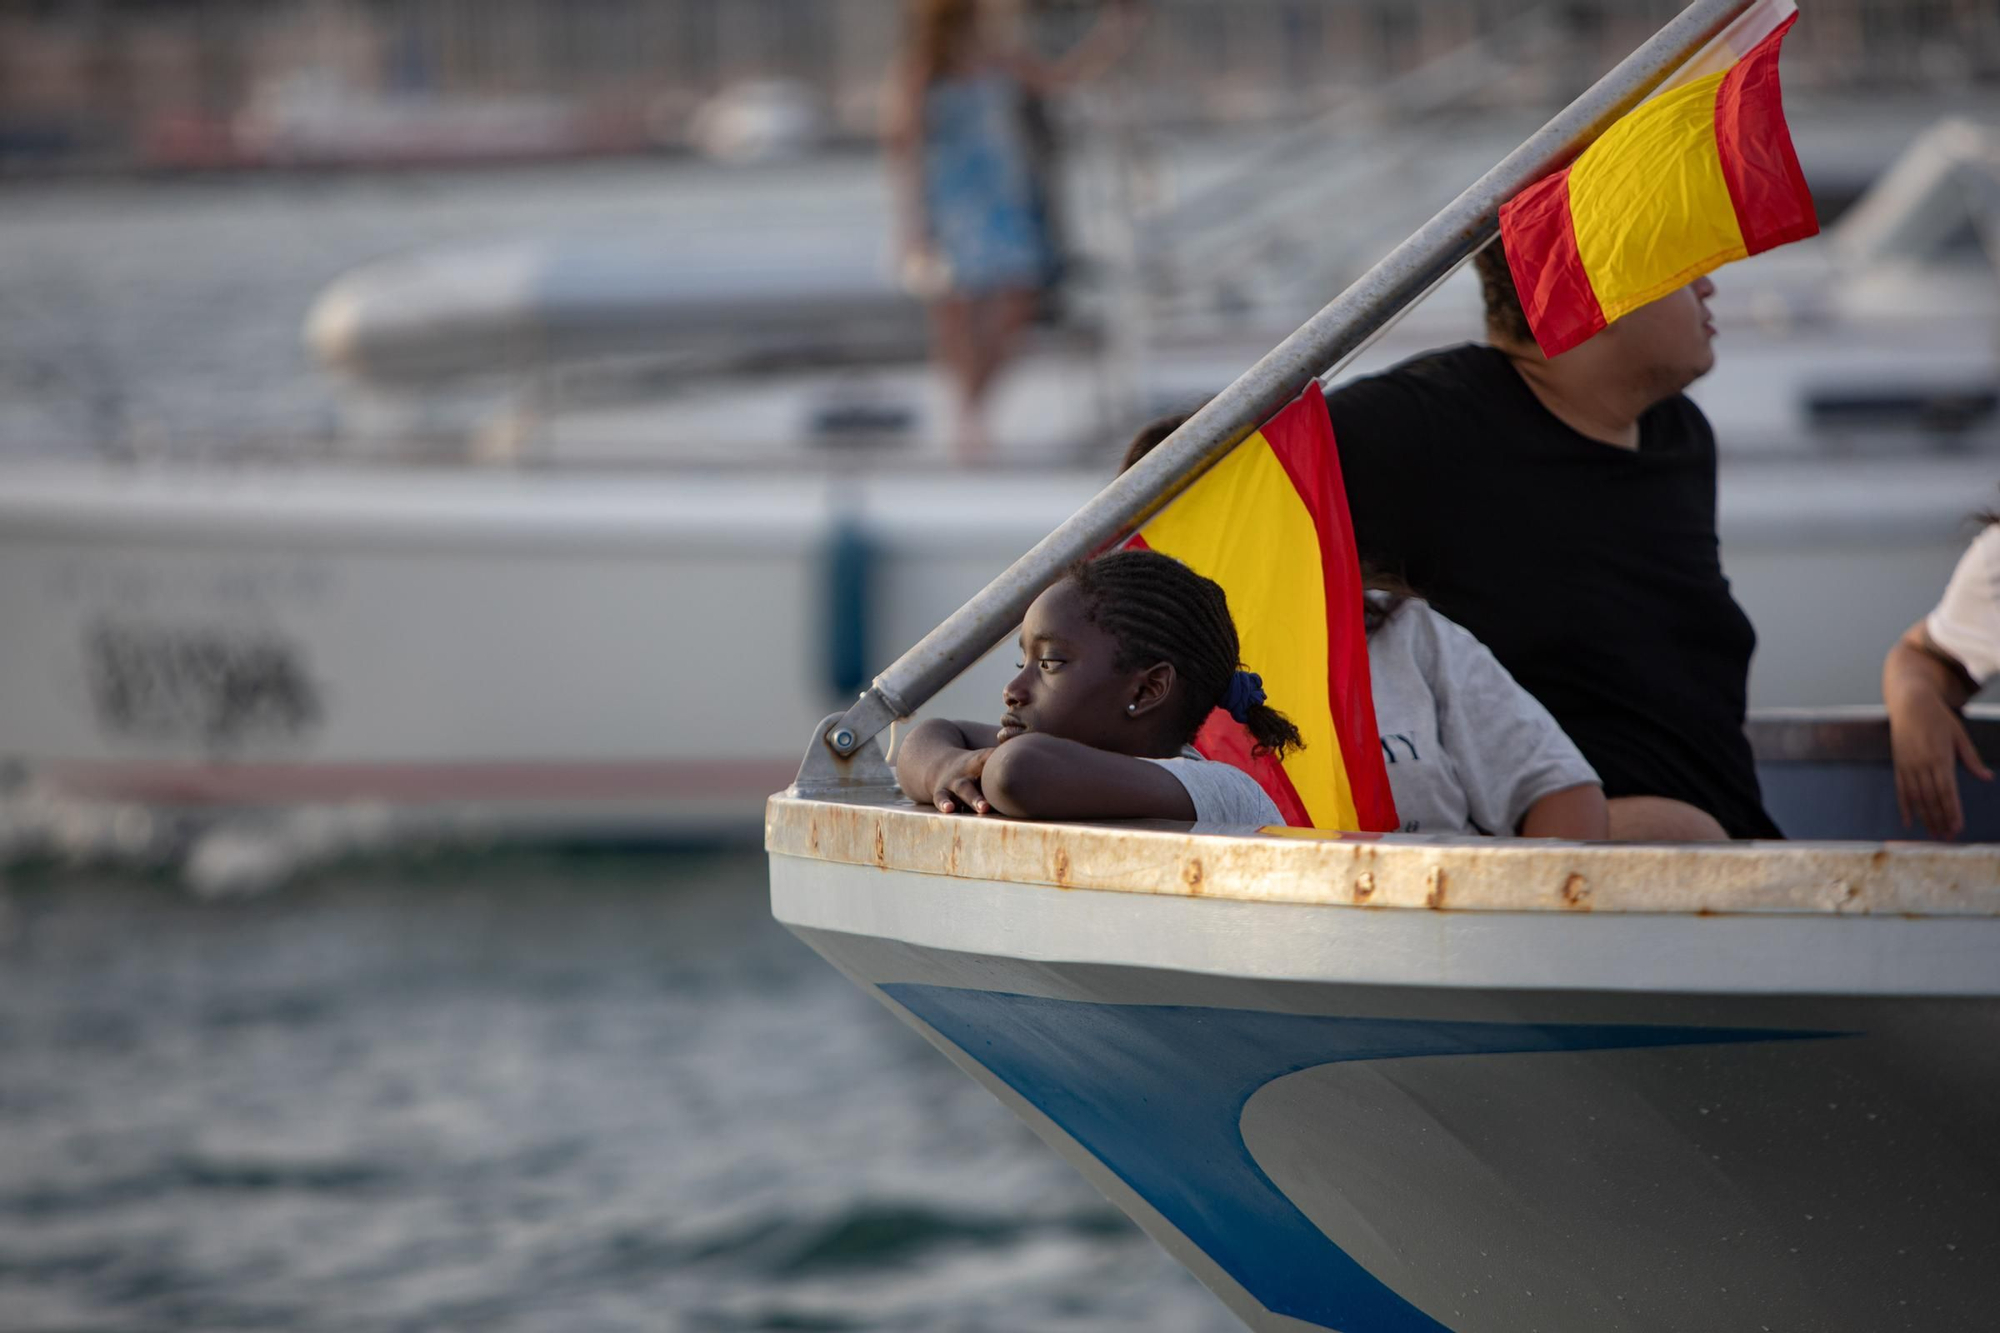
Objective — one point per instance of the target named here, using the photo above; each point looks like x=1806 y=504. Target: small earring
x=1131 y=708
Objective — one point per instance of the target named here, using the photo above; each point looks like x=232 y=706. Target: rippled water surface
x=600 y=1092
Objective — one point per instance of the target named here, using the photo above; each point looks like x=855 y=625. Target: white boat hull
x=642 y=653
x=634 y=654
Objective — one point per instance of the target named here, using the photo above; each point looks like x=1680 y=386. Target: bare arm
x=1043 y=777
x=1924 y=688
x=1577 y=813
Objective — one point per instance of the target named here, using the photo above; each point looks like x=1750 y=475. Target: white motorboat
x=539 y=650
x=516 y=646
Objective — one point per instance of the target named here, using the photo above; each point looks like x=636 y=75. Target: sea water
x=530 y=1091
x=504 y=1092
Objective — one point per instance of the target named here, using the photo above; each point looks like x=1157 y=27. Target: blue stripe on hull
x=1156 y=1093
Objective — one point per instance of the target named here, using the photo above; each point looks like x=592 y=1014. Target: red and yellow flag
x=1270 y=524
x=1701 y=174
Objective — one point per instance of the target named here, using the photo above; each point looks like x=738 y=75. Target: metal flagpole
x=1350 y=319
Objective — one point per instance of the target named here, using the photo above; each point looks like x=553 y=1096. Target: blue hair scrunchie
x=1245 y=692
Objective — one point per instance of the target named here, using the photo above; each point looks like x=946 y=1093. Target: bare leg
x=977 y=336
x=1661 y=819
x=955 y=339
x=1002 y=317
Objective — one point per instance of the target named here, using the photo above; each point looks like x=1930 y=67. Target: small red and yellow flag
x=1701 y=174
x=1270 y=524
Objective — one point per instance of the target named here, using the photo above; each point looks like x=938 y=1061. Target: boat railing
x=1853 y=734
x=1268 y=210
x=1827 y=774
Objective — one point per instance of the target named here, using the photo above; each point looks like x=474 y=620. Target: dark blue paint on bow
x=1156 y=1093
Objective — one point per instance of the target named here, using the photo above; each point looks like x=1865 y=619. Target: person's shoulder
x=1445 y=371
x=1246 y=802
x=1965 y=624
x=1456 y=366
x=1985 y=548
x=1414 y=625
x=1433 y=636
x=1222 y=793
x=1975 y=581
x=1189 y=759
x=1410 y=613
x=1416 y=402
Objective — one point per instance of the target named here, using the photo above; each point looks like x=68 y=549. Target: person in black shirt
x=1563 y=510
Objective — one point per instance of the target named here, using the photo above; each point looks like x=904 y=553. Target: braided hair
x=1156 y=609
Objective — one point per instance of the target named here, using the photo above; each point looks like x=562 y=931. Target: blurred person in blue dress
x=974 y=208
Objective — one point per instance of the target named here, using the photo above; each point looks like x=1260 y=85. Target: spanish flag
x=1701 y=174
x=1269 y=523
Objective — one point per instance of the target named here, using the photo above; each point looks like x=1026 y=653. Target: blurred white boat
x=511 y=644
x=1883 y=335
x=310 y=118
x=543 y=647
x=757 y=120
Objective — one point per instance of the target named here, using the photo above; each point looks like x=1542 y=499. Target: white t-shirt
x=1966 y=623
x=1468 y=750
x=1222 y=793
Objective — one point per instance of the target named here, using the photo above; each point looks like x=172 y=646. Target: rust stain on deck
x=1576 y=892
x=1191 y=874
x=1061 y=864
x=1434 y=887
x=1364 y=886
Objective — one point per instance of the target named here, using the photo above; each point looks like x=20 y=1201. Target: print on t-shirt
x=1398 y=748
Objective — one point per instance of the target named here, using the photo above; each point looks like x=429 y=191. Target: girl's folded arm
x=1045 y=777
x=930 y=746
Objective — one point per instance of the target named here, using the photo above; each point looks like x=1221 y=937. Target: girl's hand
x=956 y=786
x=1928 y=740
x=942 y=762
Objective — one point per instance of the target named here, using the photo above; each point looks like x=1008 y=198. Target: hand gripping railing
x=1409 y=271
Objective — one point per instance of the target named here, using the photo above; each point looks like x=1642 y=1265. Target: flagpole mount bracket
x=847 y=732
x=861 y=772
